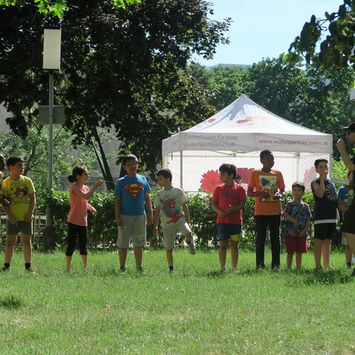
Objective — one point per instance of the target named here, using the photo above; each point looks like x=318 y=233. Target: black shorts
x=324 y=231
x=349 y=220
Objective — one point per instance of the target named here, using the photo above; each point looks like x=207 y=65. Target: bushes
x=103 y=229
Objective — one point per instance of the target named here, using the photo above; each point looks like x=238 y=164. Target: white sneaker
x=191 y=247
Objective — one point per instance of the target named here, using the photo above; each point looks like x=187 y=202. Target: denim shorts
x=225 y=231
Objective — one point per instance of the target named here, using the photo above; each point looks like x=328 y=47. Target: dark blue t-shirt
x=325 y=208
x=131 y=191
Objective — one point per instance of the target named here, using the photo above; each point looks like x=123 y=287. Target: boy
x=345 y=196
x=267 y=186
x=131 y=192
x=228 y=200
x=297 y=214
x=171 y=201
x=20 y=192
x=325 y=213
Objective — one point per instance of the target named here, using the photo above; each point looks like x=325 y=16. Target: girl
x=77 y=219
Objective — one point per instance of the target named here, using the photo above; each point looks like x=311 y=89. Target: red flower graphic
x=210 y=180
x=244 y=173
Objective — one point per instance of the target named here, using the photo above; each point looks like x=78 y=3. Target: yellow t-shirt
x=17 y=192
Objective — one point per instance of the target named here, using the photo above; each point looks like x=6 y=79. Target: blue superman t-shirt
x=131 y=191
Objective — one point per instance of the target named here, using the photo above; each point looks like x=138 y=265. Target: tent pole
x=181 y=170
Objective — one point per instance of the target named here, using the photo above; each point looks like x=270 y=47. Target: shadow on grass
x=10 y=302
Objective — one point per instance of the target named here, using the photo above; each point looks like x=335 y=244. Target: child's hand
x=264 y=194
x=93 y=210
x=230 y=209
x=119 y=222
x=221 y=213
x=13 y=220
x=150 y=218
x=295 y=223
x=341 y=145
x=99 y=183
x=155 y=230
x=28 y=218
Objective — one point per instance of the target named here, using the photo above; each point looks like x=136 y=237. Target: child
x=171 y=201
x=267 y=186
x=298 y=216
x=228 y=200
x=345 y=196
x=325 y=213
x=131 y=192
x=20 y=192
x=77 y=219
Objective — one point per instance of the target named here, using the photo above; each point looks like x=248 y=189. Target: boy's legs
x=223 y=246
x=289 y=260
x=326 y=252
x=261 y=223
x=350 y=238
x=9 y=247
x=26 y=247
x=169 y=234
x=234 y=253
x=275 y=240
x=122 y=254
x=348 y=255
x=298 y=260
x=317 y=251
x=138 y=238
x=170 y=258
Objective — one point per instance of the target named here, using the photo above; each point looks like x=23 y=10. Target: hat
x=350 y=128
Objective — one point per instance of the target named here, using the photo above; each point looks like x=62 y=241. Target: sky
x=262 y=28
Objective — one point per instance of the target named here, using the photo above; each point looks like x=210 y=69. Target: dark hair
x=264 y=153
x=129 y=157
x=230 y=169
x=166 y=173
x=300 y=185
x=13 y=160
x=318 y=161
x=237 y=177
x=78 y=170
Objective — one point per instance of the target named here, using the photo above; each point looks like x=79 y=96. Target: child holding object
x=325 y=213
x=77 y=219
x=298 y=214
x=228 y=200
x=171 y=205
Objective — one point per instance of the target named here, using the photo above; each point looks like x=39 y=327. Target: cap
x=350 y=128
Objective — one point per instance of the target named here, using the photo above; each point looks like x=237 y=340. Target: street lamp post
x=51 y=64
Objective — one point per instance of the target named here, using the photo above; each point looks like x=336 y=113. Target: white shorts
x=171 y=230
x=133 y=228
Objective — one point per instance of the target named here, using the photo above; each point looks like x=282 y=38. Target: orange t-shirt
x=270 y=182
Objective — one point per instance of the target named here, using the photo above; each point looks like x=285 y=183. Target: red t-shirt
x=226 y=196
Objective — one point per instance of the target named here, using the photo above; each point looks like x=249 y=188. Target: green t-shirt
x=17 y=193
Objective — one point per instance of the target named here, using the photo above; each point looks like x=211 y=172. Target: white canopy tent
x=236 y=135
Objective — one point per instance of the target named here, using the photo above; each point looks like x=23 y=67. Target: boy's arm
x=149 y=205
x=319 y=189
x=232 y=209
x=344 y=154
x=252 y=193
x=28 y=217
x=290 y=218
x=12 y=218
x=215 y=208
x=118 y=211
x=341 y=206
x=156 y=220
x=91 y=192
x=305 y=229
x=185 y=208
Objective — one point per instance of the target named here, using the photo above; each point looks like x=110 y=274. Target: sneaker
x=319 y=268
x=223 y=269
x=353 y=273
x=172 y=272
x=140 y=268
x=29 y=270
x=123 y=268
x=192 y=249
x=4 y=269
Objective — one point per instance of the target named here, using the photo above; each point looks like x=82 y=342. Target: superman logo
x=134 y=188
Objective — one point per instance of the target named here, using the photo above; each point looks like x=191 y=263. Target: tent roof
x=245 y=116
x=245 y=126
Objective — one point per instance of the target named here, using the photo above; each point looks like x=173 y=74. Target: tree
x=121 y=68
x=57 y=7
x=337 y=49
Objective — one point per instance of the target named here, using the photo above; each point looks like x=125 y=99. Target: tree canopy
x=337 y=48
x=121 y=68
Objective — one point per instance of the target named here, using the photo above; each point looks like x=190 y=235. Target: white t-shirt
x=170 y=202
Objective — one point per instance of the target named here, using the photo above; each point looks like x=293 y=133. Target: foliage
x=337 y=48
x=121 y=68
x=57 y=8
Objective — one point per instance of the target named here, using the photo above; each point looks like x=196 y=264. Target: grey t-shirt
x=170 y=202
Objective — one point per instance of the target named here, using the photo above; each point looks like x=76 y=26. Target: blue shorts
x=225 y=231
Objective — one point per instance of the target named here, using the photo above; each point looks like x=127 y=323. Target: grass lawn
x=196 y=311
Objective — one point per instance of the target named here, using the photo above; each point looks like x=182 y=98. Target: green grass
x=196 y=311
